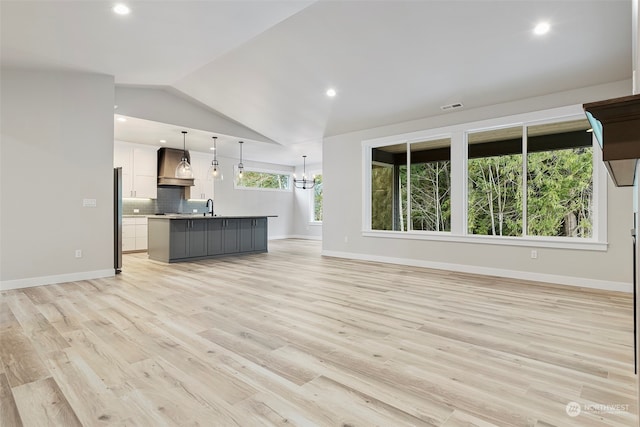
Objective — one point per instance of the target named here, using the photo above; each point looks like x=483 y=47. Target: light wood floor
x=293 y=338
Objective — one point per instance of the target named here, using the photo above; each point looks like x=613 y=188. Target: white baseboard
x=488 y=271
x=278 y=237
x=29 y=282
x=296 y=236
x=304 y=236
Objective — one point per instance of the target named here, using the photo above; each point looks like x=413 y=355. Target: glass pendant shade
x=183 y=170
x=240 y=165
x=214 y=172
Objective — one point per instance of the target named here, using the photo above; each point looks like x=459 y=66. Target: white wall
x=57 y=149
x=231 y=201
x=342 y=236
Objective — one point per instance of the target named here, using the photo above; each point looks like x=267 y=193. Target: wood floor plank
x=161 y=374
x=61 y=316
x=41 y=403
x=92 y=401
x=21 y=361
x=9 y=415
x=293 y=338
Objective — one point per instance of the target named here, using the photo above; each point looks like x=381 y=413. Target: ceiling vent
x=454 y=106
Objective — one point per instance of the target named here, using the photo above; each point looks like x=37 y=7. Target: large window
x=531 y=181
x=317 y=200
x=386 y=189
x=263 y=180
x=416 y=197
x=495 y=182
x=559 y=181
x=430 y=179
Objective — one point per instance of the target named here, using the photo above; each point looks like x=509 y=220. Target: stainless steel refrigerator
x=117 y=219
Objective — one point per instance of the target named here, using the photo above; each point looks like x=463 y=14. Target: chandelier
x=304 y=183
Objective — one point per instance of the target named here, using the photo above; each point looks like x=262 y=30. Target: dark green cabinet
x=187 y=238
x=222 y=236
x=198 y=238
x=179 y=239
x=253 y=235
x=182 y=239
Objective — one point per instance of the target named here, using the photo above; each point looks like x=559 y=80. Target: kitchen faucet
x=210 y=207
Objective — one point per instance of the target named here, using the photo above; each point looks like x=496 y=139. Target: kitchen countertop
x=201 y=216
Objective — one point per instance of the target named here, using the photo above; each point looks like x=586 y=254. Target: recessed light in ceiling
x=121 y=119
x=541 y=28
x=331 y=92
x=121 y=9
x=163 y=141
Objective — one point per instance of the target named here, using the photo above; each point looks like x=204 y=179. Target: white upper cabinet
x=139 y=169
x=203 y=188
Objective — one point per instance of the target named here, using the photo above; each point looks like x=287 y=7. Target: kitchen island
x=174 y=238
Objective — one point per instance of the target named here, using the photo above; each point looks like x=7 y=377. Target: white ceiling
x=149 y=132
x=267 y=64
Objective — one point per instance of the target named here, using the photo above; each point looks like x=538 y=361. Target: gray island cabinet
x=174 y=238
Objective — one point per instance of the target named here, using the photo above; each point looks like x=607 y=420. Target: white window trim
x=271 y=171
x=458 y=134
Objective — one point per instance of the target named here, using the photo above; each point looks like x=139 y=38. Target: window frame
x=312 y=201
x=459 y=179
x=260 y=170
x=408 y=143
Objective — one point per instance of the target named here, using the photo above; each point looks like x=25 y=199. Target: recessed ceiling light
x=162 y=141
x=541 y=28
x=121 y=9
x=121 y=119
x=331 y=92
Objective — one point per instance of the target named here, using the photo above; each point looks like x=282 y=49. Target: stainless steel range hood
x=168 y=159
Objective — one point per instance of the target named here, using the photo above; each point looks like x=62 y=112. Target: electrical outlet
x=89 y=203
x=534 y=254
x=78 y=253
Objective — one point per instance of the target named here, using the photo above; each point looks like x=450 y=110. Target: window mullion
x=409 y=222
x=525 y=191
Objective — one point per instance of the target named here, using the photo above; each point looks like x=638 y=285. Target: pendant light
x=214 y=170
x=304 y=183
x=240 y=165
x=183 y=170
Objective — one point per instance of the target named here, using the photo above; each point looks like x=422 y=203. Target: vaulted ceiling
x=267 y=64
